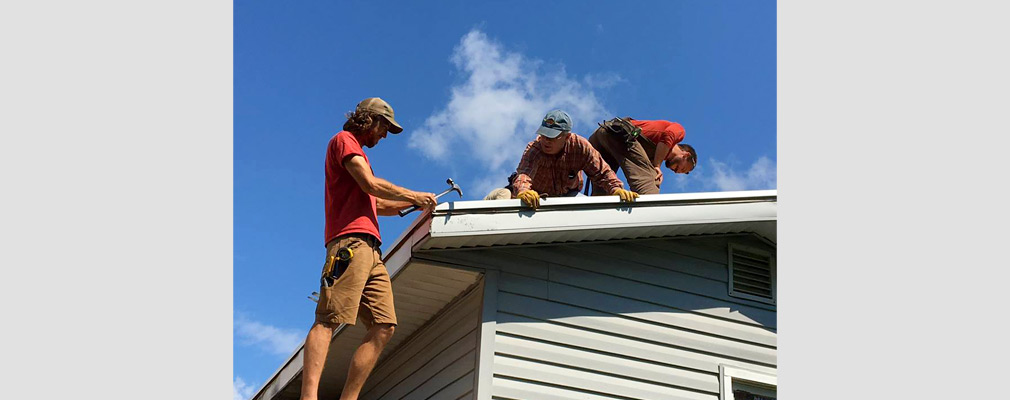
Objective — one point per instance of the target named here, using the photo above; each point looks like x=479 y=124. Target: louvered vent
x=752 y=273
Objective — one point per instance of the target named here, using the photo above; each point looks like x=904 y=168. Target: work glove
x=530 y=197
x=627 y=196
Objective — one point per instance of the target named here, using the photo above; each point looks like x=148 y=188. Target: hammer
x=452 y=187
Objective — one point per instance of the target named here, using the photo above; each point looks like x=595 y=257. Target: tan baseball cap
x=381 y=107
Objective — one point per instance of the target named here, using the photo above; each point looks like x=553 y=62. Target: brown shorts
x=363 y=288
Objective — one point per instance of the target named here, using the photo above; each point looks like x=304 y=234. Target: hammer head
x=454 y=187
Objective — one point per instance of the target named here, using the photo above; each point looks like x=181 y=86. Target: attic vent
x=752 y=274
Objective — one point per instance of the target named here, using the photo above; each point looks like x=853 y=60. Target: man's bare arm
x=662 y=150
x=384 y=189
x=390 y=207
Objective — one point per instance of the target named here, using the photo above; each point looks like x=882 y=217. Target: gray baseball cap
x=555 y=123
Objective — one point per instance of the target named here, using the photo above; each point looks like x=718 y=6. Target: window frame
x=728 y=373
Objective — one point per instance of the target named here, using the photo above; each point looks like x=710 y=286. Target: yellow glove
x=627 y=196
x=530 y=197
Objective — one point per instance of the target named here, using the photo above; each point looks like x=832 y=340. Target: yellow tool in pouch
x=325 y=280
x=345 y=254
x=341 y=260
x=329 y=266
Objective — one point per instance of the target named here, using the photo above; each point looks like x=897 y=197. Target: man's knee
x=645 y=188
x=499 y=194
x=382 y=332
x=321 y=329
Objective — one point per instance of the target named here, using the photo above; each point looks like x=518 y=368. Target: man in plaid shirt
x=552 y=162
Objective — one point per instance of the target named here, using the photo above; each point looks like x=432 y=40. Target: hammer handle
x=413 y=208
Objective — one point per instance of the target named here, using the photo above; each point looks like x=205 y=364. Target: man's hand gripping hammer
x=453 y=187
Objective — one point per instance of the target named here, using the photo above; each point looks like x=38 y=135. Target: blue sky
x=469 y=82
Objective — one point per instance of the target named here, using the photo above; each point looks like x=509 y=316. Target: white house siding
x=438 y=362
x=642 y=319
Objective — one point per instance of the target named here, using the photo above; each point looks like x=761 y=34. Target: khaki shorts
x=362 y=290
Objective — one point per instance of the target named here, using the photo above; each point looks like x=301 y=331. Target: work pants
x=635 y=161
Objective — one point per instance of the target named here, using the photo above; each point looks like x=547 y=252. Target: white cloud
x=241 y=390
x=760 y=175
x=495 y=110
x=483 y=186
x=272 y=339
x=602 y=80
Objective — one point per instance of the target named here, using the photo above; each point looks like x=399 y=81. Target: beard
x=372 y=139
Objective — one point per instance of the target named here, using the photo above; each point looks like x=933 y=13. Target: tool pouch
x=624 y=129
x=336 y=266
x=343 y=259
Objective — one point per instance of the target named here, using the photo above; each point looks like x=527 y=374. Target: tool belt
x=624 y=129
x=371 y=240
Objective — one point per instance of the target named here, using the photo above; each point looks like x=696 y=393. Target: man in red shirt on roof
x=639 y=147
x=552 y=164
x=355 y=283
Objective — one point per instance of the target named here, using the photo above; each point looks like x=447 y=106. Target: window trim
x=772 y=268
x=727 y=373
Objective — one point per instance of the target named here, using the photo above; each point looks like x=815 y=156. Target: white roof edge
x=505 y=222
x=280 y=369
x=606 y=201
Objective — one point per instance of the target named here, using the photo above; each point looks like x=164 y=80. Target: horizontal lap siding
x=634 y=320
x=437 y=362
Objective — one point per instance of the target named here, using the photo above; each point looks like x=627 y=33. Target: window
x=752 y=273
x=742 y=384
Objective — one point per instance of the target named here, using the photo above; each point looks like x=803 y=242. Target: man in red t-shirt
x=355 y=284
x=640 y=155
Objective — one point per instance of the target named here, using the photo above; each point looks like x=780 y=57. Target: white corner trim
x=483 y=379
